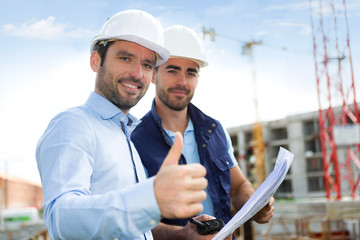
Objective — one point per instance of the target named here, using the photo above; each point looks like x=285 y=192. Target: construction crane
x=338 y=110
x=257 y=132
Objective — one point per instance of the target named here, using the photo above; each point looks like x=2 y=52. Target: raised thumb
x=173 y=156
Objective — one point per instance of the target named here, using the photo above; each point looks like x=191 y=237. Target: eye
x=148 y=66
x=173 y=72
x=125 y=59
x=192 y=74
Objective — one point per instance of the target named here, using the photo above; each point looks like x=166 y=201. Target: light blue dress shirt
x=89 y=177
x=191 y=154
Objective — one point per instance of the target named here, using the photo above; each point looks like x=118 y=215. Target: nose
x=137 y=71
x=181 y=80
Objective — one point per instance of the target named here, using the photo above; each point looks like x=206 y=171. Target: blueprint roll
x=261 y=196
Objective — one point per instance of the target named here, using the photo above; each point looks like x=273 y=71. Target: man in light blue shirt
x=93 y=181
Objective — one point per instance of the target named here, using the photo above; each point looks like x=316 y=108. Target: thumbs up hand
x=174 y=154
x=179 y=189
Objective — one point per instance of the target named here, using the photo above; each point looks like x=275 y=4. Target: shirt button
x=204 y=145
x=213 y=125
x=209 y=131
x=227 y=163
x=152 y=222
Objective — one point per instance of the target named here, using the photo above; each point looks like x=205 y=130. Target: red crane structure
x=338 y=109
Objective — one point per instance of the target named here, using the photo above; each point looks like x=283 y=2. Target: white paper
x=262 y=195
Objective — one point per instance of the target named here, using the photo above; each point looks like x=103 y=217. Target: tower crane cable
x=257 y=132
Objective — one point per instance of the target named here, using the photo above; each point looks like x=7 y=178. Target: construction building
x=300 y=135
x=17 y=193
x=303 y=210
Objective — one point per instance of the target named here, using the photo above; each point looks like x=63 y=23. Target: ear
x=95 y=60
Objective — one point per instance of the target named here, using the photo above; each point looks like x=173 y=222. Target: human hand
x=192 y=233
x=179 y=189
x=266 y=213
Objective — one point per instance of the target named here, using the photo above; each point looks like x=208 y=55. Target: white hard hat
x=135 y=26
x=184 y=42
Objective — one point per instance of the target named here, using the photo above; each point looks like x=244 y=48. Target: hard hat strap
x=105 y=42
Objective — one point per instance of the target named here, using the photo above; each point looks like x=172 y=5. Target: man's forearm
x=243 y=193
x=188 y=232
x=164 y=231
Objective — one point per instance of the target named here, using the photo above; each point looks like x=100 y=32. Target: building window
x=278 y=134
x=274 y=150
x=248 y=137
x=314 y=164
x=285 y=187
x=315 y=178
x=234 y=140
x=312 y=145
x=309 y=128
x=316 y=184
x=234 y=143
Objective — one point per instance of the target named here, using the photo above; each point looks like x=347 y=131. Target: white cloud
x=218 y=10
x=352 y=9
x=261 y=33
x=326 y=7
x=291 y=6
x=44 y=29
x=304 y=29
x=165 y=8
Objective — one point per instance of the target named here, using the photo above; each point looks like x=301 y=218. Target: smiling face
x=125 y=75
x=176 y=81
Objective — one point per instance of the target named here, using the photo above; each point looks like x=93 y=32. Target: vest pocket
x=222 y=164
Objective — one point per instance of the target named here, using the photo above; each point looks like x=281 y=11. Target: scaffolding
x=335 y=87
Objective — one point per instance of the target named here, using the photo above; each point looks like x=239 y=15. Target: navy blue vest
x=153 y=144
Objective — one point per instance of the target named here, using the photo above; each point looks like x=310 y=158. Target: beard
x=177 y=104
x=110 y=89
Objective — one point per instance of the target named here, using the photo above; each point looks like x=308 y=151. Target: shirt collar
x=108 y=110
x=190 y=126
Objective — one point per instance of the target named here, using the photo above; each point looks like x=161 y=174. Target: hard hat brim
x=163 y=53
x=199 y=62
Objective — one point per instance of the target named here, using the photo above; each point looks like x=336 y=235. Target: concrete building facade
x=300 y=135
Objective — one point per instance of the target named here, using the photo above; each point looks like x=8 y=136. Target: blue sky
x=45 y=62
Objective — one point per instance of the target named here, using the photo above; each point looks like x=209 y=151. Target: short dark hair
x=102 y=48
